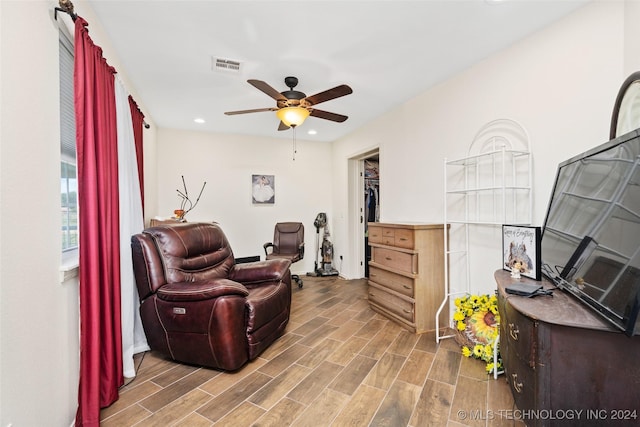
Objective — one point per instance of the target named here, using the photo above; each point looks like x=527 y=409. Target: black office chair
x=288 y=243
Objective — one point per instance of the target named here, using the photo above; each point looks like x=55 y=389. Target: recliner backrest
x=185 y=252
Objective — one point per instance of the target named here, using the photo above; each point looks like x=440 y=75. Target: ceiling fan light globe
x=293 y=116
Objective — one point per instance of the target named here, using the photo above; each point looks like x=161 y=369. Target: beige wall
x=631 y=36
x=39 y=355
x=560 y=84
x=226 y=163
x=39 y=315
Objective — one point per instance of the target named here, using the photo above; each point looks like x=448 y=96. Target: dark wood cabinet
x=564 y=364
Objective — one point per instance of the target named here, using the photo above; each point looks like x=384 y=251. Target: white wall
x=631 y=36
x=226 y=162
x=39 y=338
x=560 y=84
x=39 y=320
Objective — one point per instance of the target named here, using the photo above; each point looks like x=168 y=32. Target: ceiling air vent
x=221 y=64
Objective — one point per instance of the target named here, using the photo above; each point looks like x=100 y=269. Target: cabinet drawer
x=375 y=234
x=521 y=335
x=400 y=284
x=391 y=302
x=522 y=381
x=403 y=238
x=401 y=261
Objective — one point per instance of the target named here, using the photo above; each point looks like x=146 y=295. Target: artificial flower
x=477 y=321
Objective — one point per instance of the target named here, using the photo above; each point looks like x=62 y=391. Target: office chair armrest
x=301 y=250
x=272 y=270
x=267 y=246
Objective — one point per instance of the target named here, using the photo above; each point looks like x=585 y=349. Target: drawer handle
x=516 y=385
x=514 y=331
x=388 y=258
x=403 y=239
x=407 y=311
x=406 y=287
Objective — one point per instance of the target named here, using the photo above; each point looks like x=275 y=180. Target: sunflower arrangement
x=476 y=319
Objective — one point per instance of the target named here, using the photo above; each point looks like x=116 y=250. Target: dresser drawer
x=397 y=282
x=375 y=234
x=403 y=238
x=401 y=261
x=388 y=236
x=395 y=304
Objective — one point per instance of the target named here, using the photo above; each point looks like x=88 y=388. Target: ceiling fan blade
x=257 y=110
x=282 y=126
x=264 y=87
x=321 y=114
x=329 y=94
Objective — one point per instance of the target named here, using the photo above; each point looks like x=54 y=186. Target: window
x=68 y=176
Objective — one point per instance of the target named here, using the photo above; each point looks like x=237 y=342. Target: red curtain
x=100 y=331
x=138 y=121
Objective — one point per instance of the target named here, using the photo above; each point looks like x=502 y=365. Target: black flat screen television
x=591 y=234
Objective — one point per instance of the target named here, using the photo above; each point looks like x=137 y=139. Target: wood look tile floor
x=338 y=364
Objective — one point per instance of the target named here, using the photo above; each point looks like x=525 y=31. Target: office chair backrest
x=288 y=236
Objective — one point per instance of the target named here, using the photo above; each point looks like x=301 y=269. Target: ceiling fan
x=293 y=107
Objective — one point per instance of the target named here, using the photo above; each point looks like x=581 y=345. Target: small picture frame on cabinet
x=521 y=250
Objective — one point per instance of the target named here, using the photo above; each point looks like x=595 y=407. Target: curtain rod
x=67 y=7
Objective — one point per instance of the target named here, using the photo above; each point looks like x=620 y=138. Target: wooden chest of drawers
x=406 y=273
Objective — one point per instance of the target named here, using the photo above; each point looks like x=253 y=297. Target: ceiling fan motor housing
x=292 y=95
x=291 y=82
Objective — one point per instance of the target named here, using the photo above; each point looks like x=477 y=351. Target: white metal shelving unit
x=489 y=187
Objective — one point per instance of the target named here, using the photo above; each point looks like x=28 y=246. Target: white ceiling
x=387 y=51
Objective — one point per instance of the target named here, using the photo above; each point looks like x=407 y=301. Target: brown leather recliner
x=198 y=306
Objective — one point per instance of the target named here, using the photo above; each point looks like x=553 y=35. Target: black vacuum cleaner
x=324 y=249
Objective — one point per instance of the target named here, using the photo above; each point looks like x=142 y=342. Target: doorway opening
x=364 y=205
x=371 y=202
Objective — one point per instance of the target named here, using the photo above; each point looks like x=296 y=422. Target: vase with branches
x=186 y=205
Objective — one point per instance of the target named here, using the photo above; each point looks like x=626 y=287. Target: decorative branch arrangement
x=186 y=205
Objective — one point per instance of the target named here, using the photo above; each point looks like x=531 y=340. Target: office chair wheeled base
x=297 y=279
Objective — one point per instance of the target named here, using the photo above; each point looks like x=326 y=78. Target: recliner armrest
x=201 y=290
x=260 y=271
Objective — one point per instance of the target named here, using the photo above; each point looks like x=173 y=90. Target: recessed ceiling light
x=312 y=132
x=199 y=120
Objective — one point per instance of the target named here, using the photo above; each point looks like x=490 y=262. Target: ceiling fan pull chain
x=294 y=143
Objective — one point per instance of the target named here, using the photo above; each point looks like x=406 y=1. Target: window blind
x=67 y=112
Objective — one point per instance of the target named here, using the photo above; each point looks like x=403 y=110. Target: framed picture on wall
x=521 y=250
x=263 y=189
